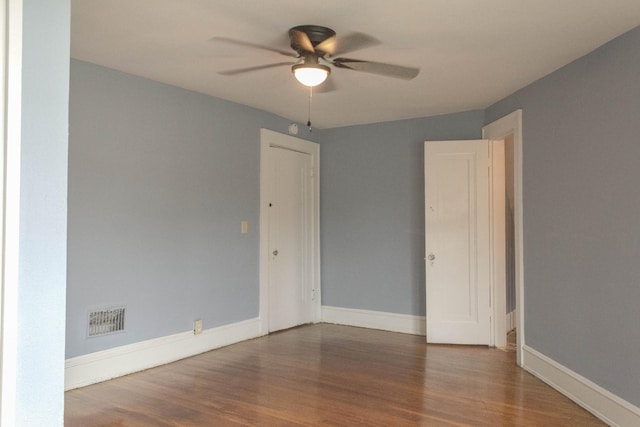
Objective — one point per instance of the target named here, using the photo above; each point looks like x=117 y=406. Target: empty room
x=438 y=228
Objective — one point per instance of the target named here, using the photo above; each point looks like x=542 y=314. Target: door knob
x=431 y=257
x=275 y=253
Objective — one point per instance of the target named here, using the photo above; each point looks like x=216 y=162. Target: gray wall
x=43 y=208
x=160 y=179
x=581 y=170
x=372 y=210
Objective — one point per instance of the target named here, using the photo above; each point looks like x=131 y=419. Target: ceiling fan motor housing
x=316 y=33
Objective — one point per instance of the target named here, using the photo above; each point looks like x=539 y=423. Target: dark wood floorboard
x=329 y=375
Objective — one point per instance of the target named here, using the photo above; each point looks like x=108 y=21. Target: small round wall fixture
x=293 y=129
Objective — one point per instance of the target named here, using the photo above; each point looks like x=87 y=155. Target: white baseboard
x=405 y=323
x=605 y=405
x=104 y=365
x=115 y=362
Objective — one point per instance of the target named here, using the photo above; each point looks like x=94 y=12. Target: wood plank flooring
x=329 y=375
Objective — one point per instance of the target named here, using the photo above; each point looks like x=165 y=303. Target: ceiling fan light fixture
x=310 y=74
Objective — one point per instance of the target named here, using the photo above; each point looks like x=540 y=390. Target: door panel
x=457 y=242
x=290 y=298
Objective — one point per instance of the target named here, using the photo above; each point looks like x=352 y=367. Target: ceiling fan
x=313 y=44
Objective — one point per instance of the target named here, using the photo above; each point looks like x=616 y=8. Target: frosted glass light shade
x=310 y=74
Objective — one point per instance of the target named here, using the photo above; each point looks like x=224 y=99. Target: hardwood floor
x=329 y=375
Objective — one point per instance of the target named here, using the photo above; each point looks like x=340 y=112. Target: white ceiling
x=471 y=52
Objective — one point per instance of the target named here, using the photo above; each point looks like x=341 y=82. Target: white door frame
x=497 y=251
x=269 y=139
x=10 y=128
x=511 y=124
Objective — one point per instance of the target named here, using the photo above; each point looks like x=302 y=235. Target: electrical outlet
x=197 y=327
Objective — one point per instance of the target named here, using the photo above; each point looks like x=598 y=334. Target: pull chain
x=309 y=116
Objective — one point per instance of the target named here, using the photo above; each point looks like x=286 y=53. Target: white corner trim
x=115 y=362
x=405 y=323
x=605 y=405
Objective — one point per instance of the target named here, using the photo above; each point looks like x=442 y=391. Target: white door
x=289 y=289
x=290 y=202
x=457 y=242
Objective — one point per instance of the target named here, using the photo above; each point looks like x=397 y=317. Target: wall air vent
x=106 y=321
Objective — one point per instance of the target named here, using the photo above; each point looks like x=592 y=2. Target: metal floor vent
x=106 y=321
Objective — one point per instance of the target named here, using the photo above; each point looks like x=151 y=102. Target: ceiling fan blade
x=327 y=47
x=347 y=43
x=254 y=45
x=256 y=68
x=301 y=39
x=380 y=68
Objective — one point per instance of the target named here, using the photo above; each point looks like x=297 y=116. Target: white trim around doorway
x=269 y=139
x=511 y=124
